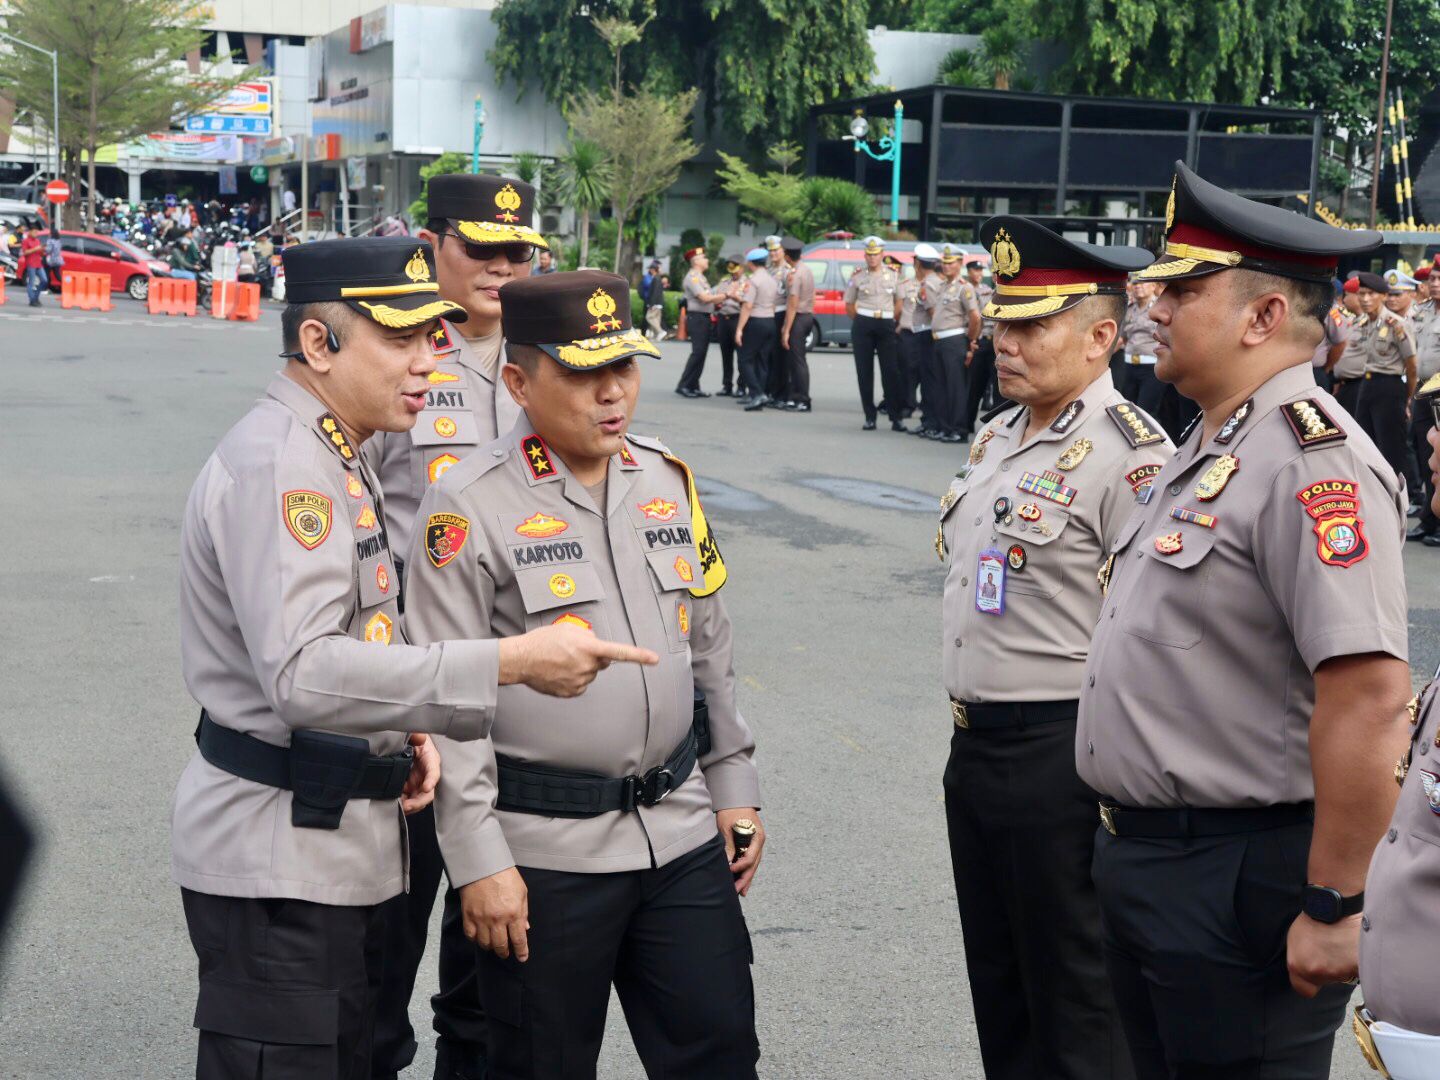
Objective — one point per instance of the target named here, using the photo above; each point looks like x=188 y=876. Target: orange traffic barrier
x=2 y=285
x=88 y=292
x=171 y=296
x=235 y=300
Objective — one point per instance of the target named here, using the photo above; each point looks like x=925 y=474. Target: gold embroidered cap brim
x=588 y=353
x=1003 y=311
x=1171 y=269
x=400 y=316
x=497 y=232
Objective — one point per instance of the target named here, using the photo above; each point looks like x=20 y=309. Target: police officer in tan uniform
x=779 y=388
x=954 y=323
x=700 y=301
x=287 y=831
x=799 y=319
x=1024 y=528
x=912 y=321
x=590 y=837
x=1389 y=383
x=1348 y=372
x=480 y=227
x=980 y=377
x=1399 y=1022
x=870 y=303
x=1427 y=366
x=1244 y=697
x=1137 y=334
x=726 y=316
x=755 y=334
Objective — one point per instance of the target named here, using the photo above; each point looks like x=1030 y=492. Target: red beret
x=693 y=252
x=1422 y=272
x=1352 y=285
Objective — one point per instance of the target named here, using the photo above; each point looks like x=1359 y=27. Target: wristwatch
x=1326 y=905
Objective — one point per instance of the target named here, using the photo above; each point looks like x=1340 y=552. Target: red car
x=130 y=269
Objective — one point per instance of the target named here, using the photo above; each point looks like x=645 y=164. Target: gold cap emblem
x=1170 y=207
x=508 y=200
x=602 y=305
x=417 y=269
x=1004 y=255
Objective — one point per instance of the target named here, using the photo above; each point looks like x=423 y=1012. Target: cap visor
x=401 y=312
x=590 y=353
x=1001 y=309
x=498 y=232
x=1172 y=269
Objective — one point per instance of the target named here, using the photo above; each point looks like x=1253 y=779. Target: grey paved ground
x=859 y=970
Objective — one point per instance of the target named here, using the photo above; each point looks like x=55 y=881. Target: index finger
x=614 y=650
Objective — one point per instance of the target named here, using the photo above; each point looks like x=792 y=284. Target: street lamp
x=54 y=91
x=889 y=151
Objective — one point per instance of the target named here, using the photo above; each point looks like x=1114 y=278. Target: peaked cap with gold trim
x=485 y=209
x=580 y=318
x=388 y=279
x=1039 y=272
x=1208 y=228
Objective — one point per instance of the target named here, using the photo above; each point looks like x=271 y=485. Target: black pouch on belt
x=324 y=770
x=701 y=723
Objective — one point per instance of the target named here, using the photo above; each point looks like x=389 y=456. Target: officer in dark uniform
x=1244 y=699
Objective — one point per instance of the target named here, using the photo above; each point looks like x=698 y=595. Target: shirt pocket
x=1041 y=573
x=673 y=574
x=1170 y=609
x=440 y=438
x=570 y=593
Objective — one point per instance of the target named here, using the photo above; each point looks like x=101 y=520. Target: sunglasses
x=1433 y=401
x=515 y=252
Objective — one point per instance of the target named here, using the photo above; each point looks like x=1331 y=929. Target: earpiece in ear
x=331 y=341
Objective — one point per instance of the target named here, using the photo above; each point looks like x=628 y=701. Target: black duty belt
x=322 y=770
x=1187 y=822
x=971 y=716
x=1381 y=375
x=534 y=789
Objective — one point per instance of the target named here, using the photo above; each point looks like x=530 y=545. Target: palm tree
x=582 y=181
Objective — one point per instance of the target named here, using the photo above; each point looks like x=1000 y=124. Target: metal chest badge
x=977 y=451
x=1074 y=455
x=1431 y=783
x=1169 y=543
x=1210 y=485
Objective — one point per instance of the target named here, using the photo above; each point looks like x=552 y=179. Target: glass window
x=818 y=267
x=847 y=269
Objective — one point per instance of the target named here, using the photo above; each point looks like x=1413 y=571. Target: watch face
x=1322 y=904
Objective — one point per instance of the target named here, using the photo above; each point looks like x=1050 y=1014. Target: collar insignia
x=537 y=457
x=1067 y=417
x=1232 y=425
x=341 y=445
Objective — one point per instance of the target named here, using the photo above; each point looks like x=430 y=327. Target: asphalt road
x=834 y=590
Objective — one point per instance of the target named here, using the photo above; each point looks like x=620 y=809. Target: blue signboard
x=213 y=124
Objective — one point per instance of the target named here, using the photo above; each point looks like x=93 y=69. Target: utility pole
x=54 y=94
x=1380 y=116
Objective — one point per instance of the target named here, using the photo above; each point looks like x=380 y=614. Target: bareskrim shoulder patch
x=1311 y=424
x=307 y=516
x=445 y=535
x=1134 y=425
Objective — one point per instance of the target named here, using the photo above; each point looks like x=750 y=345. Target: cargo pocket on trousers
x=287 y=1033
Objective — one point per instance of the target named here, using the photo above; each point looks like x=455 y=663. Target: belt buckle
x=960 y=714
x=647 y=788
x=1360 y=1022
x=1107 y=819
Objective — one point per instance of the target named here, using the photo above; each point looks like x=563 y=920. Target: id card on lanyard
x=990 y=583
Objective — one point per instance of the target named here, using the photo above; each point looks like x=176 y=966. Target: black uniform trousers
x=287 y=987
x=1140 y=386
x=1420 y=424
x=778 y=386
x=980 y=379
x=697 y=328
x=912 y=363
x=1195 y=944
x=673 y=943
x=932 y=382
x=1022 y=827
x=951 y=352
x=1347 y=393
x=909 y=358
x=1382 y=417
x=725 y=329
x=757 y=353
x=799 y=357
x=873 y=339
x=459 y=1020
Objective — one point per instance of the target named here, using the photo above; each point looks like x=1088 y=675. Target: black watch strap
x=1352 y=905
x=1326 y=905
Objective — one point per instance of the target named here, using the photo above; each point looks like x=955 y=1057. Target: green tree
x=445 y=163
x=121 y=71
x=824 y=204
x=527 y=167
x=760 y=64
x=581 y=180
x=767 y=198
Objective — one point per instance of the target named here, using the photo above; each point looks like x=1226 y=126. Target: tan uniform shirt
x=1067 y=492
x=1337 y=330
x=535 y=549
x=781 y=273
x=950 y=303
x=873 y=292
x=1389 y=343
x=759 y=293
x=802 y=284
x=1421 y=312
x=694 y=285
x=1402 y=892
x=1427 y=348
x=909 y=293
x=288 y=619
x=1351 y=364
x=733 y=288
x=1200 y=682
x=1139 y=334
x=983 y=293
x=467 y=406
